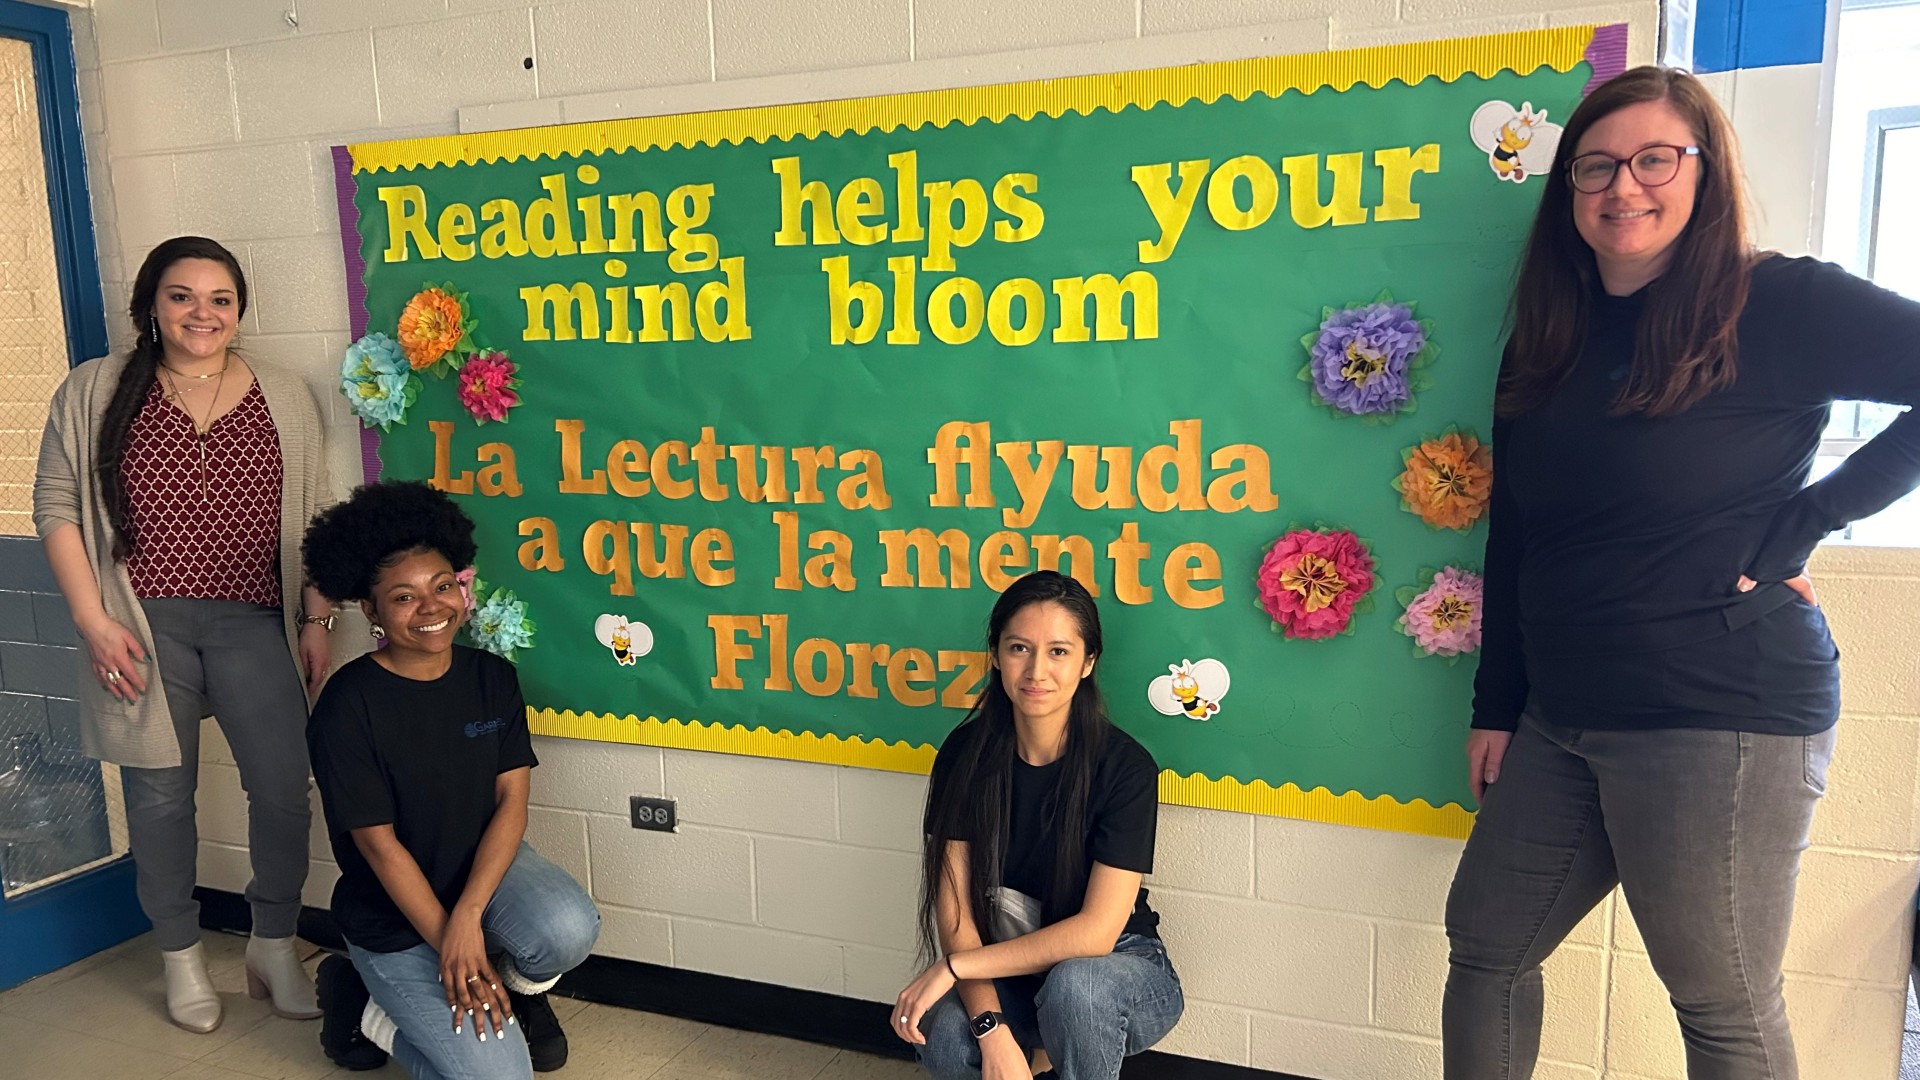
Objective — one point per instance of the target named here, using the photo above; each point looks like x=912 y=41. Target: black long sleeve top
x=1615 y=542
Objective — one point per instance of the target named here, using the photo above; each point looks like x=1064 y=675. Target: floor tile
x=606 y=1043
x=853 y=1065
x=124 y=1001
x=33 y=1051
x=726 y=1054
x=276 y=1050
x=200 y=1070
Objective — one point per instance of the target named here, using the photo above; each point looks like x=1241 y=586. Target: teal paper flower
x=501 y=625
x=379 y=384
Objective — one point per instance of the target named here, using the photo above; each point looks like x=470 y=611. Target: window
x=1873 y=196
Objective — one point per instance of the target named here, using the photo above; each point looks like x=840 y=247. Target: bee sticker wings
x=1518 y=142
x=1190 y=689
x=628 y=641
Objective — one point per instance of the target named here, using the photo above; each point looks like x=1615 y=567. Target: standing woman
x=172 y=488
x=1040 y=825
x=1657 y=688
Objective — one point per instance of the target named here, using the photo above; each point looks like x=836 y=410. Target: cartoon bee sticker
x=1189 y=689
x=628 y=640
x=1519 y=142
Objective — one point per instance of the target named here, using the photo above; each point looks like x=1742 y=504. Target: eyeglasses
x=1654 y=166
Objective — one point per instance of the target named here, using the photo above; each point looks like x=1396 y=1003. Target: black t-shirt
x=422 y=757
x=1123 y=807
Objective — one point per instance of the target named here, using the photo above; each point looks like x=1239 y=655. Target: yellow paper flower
x=1315 y=580
x=1447 y=481
x=430 y=327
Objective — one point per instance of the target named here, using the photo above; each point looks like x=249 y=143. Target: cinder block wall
x=1307 y=948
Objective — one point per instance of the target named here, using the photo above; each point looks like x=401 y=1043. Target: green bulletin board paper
x=1205 y=361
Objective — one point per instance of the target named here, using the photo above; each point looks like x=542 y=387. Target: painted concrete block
x=765 y=37
x=882 y=809
x=600 y=45
x=429 y=70
x=315 y=84
x=635 y=935
x=169 y=102
x=1180 y=16
x=760 y=795
x=700 y=872
x=860 y=895
x=962 y=28
x=1281 y=959
x=747 y=952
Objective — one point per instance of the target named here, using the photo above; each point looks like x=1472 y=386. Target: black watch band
x=984 y=1024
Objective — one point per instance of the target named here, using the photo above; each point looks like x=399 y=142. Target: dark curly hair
x=349 y=544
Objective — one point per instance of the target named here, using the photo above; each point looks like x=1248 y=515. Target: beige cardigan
x=65 y=491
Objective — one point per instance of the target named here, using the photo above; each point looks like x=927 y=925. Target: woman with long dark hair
x=456 y=926
x=1657 y=688
x=173 y=485
x=1040 y=824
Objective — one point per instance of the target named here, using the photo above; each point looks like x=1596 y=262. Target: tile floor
x=104 y=1017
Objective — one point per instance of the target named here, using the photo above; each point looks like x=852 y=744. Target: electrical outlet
x=655 y=814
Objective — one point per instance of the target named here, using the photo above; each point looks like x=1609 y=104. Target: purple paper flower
x=1363 y=359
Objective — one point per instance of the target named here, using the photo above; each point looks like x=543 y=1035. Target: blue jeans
x=1089 y=1013
x=544 y=923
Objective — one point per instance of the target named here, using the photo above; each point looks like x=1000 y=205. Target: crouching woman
x=422 y=756
x=1040 y=824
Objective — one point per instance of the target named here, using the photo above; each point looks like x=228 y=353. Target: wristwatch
x=984 y=1024
x=319 y=620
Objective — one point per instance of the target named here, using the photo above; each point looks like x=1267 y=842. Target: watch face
x=985 y=1023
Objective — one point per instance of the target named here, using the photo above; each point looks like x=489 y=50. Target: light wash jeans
x=544 y=923
x=1089 y=1013
x=1702 y=830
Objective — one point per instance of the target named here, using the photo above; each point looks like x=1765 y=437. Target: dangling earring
x=379 y=632
x=153 y=326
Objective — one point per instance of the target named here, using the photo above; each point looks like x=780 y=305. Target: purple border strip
x=343 y=190
x=1606 y=55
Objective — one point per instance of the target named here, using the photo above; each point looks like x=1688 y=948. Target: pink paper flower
x=488 y=385
x=1444 y=619
x=1312 y=582
x=466 y=579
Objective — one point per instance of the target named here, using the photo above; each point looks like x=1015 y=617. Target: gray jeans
x=1702 y=830
x=228 y=659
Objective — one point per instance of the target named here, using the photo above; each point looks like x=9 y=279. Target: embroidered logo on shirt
x=477 y=728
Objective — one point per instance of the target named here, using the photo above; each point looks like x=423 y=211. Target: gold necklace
x=176 y=373
x=200 y=427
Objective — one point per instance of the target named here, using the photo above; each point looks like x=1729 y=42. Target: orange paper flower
x=1447 y=480
x=431 y=326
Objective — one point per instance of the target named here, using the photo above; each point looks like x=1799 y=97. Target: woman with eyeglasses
x=1657 y=689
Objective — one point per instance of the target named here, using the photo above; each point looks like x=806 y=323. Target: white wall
x=1307 y=948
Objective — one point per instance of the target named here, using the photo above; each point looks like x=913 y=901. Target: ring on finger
x=113 y=676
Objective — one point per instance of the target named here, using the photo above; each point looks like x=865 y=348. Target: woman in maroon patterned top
x=170 y=481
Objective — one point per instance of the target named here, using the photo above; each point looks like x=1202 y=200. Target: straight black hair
x=977 y=799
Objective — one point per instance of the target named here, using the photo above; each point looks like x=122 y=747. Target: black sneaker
x=546 y=1043
x=342 y=998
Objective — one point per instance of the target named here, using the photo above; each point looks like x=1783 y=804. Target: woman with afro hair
x=421 y=752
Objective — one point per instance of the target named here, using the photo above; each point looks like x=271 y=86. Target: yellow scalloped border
x=1523 y=52
x=1226 y=793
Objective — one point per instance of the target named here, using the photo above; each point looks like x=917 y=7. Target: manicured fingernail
x=511 y=1020
x=483 y=1036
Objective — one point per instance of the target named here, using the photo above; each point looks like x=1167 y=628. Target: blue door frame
x=49 y=928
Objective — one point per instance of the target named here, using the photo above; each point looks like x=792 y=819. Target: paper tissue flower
x=1368 y=360
x=1313 y=581
x=470 y=586
x=488 y=386
x=1443 y=613
x=1447 y=480
x=501 y=625
x=434 y=328
x=378 y=383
